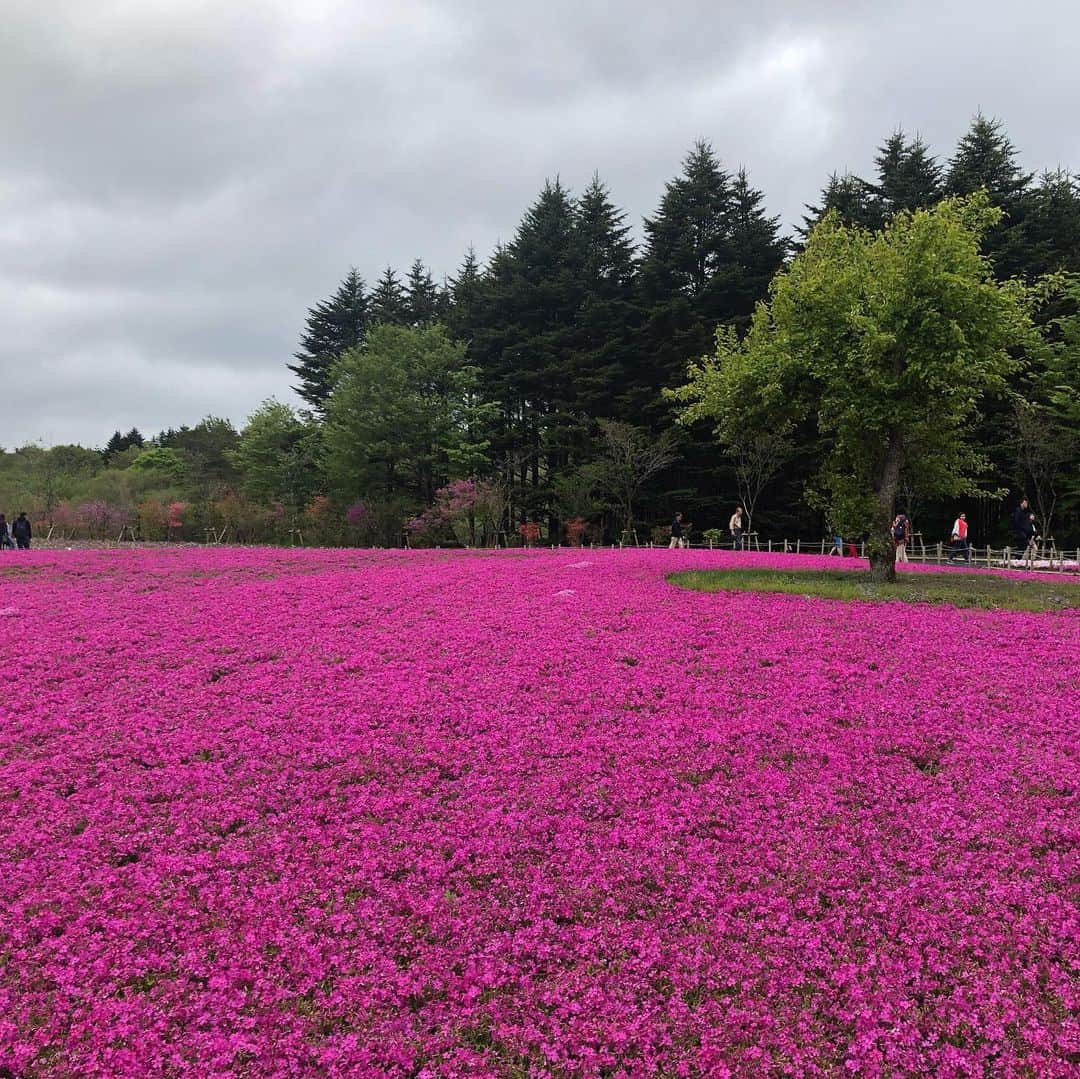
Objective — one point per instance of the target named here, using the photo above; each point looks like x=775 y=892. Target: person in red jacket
x=960 y=539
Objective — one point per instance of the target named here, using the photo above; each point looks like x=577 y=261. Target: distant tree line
x=525 y=395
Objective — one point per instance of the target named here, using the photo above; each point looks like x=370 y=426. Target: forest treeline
x=524 y=395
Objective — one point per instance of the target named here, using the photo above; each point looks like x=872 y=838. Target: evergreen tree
x=603 y=341
x=464 y=297
x=710 y=251
x=756 y=250
x=686 y=240
x=114 y=446
x=985 y=159
x=1052 y=235
x=541 y=295
x=422 y=300
x=855 y=201
x=909 y=177
x=389 y=303
x=332 y=327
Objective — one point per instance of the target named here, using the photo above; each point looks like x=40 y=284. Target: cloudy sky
x=181 y=179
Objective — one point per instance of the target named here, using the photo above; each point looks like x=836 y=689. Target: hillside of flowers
x=437 y=814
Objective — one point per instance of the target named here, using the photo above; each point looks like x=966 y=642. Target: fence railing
x=1045 y=558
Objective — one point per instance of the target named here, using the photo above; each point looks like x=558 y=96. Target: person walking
x=1020 y=520
x=22 y=532
x=960 y=539
x=1029 y=538
x=5 y=534
x=735 y=527
x=901 y=533
x=677 y=538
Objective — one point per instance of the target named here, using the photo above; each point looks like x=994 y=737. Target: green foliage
x=333 y=327
x=405 y=416
x=276 y=455
x=888 y=340
x=389 y=304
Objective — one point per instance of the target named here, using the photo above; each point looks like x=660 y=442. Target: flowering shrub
x=356 y=515
x=174 y=517
x=469 y=512
x=439 y=814
x=575 y=531
x=529 y=532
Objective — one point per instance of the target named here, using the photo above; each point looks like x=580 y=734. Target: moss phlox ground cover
x=526 y=813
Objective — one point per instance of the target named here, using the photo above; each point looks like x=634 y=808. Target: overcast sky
x=181 y=179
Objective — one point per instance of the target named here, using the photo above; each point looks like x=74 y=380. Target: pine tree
x=709 y=254
x=421 y=296
x=114 y=446
x=1053 y=224
x=852 y=198
x=463 y=295
x=909 y=177
x=756 y=250
x=542 y=298
x=333 y=327
x=389 y=305
x=986 y=159
x=685 y=240
x=603 y=341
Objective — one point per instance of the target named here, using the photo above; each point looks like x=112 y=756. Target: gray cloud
x=180 y=179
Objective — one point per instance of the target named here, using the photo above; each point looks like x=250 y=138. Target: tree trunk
x=880 y=547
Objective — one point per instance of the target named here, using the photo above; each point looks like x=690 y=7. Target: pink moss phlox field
x=435 y=814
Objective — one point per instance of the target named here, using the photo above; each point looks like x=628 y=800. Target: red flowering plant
x=529 y=532
x=575 y=531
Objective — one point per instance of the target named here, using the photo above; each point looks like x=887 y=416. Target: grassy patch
x=982 y=590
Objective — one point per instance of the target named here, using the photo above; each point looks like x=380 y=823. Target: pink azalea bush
x=291 y=813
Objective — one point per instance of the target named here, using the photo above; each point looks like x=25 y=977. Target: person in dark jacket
x=1030 y=537
x=1020 y=518
x=5 y=534
x=22 y=532
x=677 y=538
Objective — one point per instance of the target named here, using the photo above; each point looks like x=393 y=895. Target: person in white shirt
x=735 y=526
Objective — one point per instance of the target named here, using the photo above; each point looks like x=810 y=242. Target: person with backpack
x=901 y=533
x=22 y=532
x=960 y=539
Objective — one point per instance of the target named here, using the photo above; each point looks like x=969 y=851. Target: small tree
x=758 y=456
x=1046 y=453
x=629 y=458
x=887 y=341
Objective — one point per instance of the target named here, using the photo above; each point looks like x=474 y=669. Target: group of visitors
x=735 y=527
x=1024 y=528
x=18 y=534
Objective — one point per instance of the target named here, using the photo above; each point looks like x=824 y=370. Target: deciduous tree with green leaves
x=888 y=340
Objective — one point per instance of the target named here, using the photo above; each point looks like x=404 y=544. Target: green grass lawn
x=983 y=590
